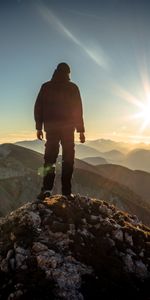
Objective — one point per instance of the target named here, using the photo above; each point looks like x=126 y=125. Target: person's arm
x=79 y=123
x=38 y=114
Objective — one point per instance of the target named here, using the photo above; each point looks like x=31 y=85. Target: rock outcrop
x=79 y=249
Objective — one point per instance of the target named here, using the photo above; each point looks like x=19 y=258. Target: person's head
x=64 y=68
x=62 y=72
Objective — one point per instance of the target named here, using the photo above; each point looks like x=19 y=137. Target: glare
x=145 y=115
x=143 y=104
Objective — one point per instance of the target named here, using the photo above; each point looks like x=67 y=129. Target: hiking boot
x=69 y=196
x=43 y=195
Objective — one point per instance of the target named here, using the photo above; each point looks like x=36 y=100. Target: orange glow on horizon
x=114 y=136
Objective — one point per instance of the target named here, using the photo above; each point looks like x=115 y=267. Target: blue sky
x=107 y=45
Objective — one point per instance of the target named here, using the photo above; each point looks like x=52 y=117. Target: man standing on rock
x=59 y=108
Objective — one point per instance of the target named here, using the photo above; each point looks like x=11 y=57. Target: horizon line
x=14 y=141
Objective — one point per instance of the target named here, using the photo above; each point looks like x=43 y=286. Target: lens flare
x=142 y=104
x=96 y=54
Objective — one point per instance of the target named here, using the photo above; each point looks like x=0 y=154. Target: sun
x=144 y=113
x=143 y=104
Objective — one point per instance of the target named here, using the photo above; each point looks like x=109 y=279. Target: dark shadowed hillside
x=137 y=181
x=18 y=176
x=115 y=193
x=83 y=249
x=12 y=153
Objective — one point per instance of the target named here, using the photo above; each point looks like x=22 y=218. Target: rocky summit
x=79 y=249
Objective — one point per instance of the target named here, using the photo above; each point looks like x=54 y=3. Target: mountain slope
x=95 y=160
x=27 y=158
x=137 y=181
x=138 y=159
x=83 y=249
x=104 y=145
x=81 y=150
x=18 y=176
x=113 y=155
x=93 y=185
x=114 y=152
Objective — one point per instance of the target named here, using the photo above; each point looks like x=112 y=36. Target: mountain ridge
x=137 y=180
x=113 y=152
x=86 y=181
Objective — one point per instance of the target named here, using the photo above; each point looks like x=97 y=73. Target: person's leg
x=67 y=141
x=50 y=157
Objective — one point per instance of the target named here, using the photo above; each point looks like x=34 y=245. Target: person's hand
x=82 y=137
x=39 y=135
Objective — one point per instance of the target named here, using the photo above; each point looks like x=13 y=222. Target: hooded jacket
x=59 y=104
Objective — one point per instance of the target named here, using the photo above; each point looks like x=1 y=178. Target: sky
x=107 y=45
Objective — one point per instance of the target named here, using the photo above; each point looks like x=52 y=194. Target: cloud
x=96 y=55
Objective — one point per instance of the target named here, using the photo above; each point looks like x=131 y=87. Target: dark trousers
x=65 y=136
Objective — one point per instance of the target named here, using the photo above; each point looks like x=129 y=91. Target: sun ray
x=143 y=104
x=96 y=56
x=127 y=96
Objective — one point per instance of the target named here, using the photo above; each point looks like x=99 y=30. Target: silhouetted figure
x=59 y=108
